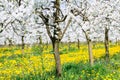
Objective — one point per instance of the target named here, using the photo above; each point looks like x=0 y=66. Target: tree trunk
x=5 y=43
x=116 y=41
x=107 y=44
x=23 y=45
x=10 y=42
x=69 y=45
x=40 y=40
x=57 y=58
x=90 y=51
x=89 y=42
x=78 y=43
x=57 y=33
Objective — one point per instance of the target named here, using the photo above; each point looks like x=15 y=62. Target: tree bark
x=90 y=51
x=40 y=40
x=19 y=2
x=57 y=57
x=78 y=43
x=23 y=45
x=10 y=42
x=69 y=45
x=106 y=44
x=89 y=42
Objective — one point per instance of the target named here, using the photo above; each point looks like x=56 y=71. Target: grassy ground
x=38 y=63
x=82 y=71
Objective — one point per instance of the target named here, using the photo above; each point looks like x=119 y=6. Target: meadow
x=37 y=63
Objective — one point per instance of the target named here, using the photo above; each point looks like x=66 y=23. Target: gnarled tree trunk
x=57 y=33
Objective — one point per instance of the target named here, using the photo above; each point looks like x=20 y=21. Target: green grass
x=72 y=71
x=81 y=71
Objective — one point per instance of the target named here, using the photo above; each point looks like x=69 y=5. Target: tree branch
x=48 y=32
x=68 y=23
x=5 y=26
x=56 y=21
x=46 y=20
